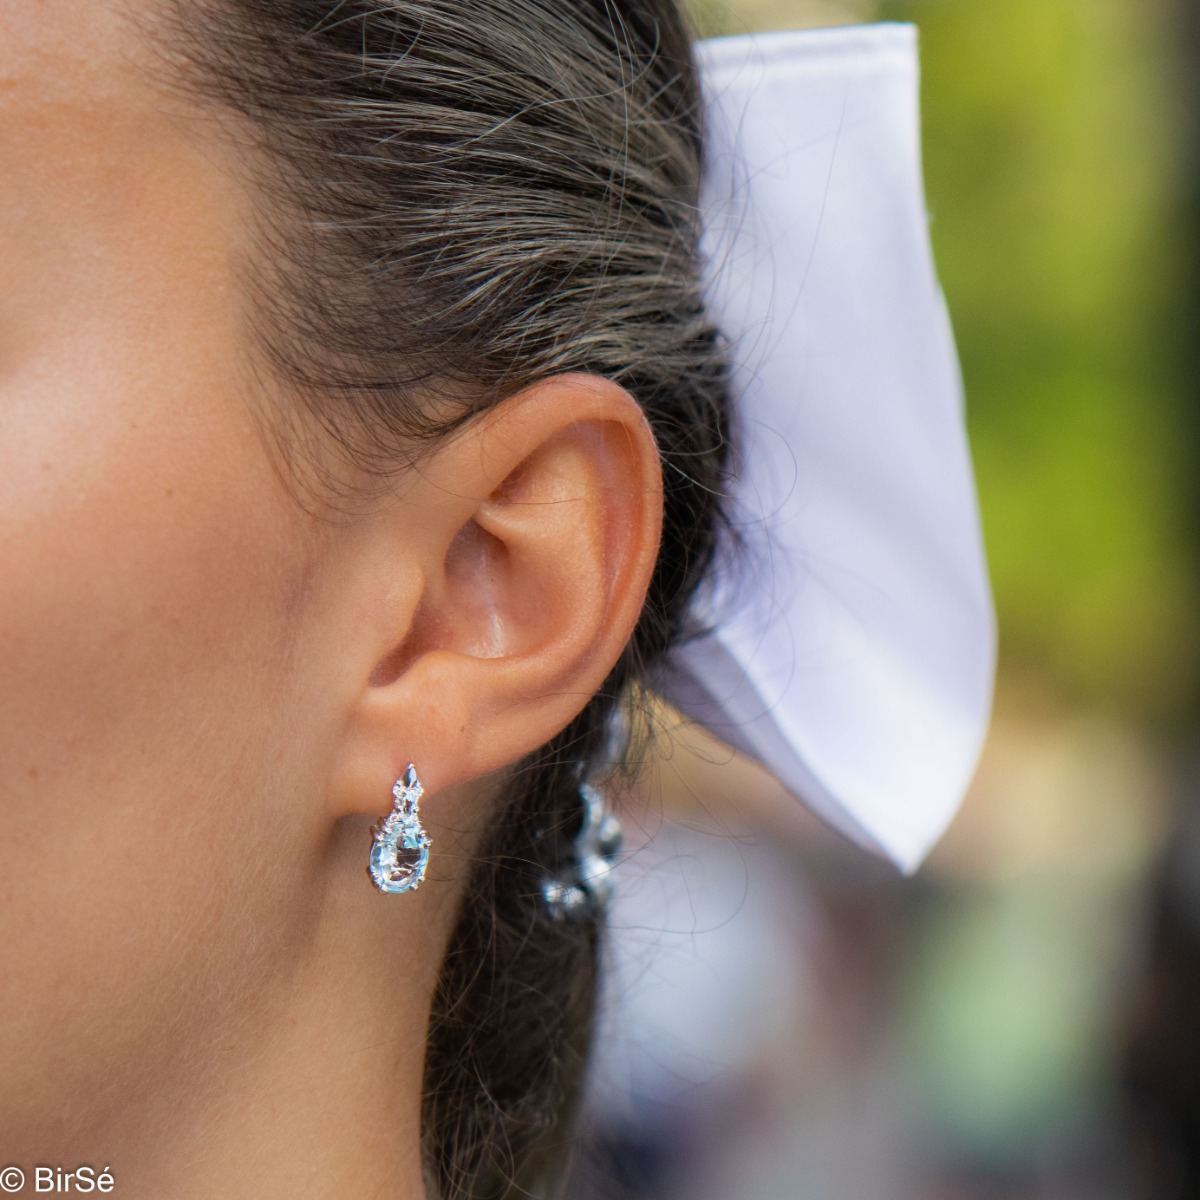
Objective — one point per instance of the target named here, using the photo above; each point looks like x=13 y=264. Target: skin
x=207 y=689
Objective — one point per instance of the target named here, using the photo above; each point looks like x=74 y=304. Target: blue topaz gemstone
x=400 y=850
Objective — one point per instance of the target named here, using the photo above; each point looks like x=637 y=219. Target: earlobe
x=539 y=532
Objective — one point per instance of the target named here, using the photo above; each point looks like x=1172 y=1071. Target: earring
x=400 y=850
x=588 y=883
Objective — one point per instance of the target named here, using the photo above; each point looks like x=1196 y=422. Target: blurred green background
x=1057 y=151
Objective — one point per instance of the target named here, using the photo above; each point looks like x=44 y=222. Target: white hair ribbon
x=853 y=643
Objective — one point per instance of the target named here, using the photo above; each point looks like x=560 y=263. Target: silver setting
x=588 y=882
x=400 y=845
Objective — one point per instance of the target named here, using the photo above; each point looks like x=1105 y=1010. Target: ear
x=510 y=572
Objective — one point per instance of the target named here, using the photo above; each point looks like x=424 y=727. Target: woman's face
x=205 y=687
x=149 y=794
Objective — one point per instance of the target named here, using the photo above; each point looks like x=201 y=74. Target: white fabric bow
x=853 y=642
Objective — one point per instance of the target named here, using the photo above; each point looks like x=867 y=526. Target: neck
x=312 y=1086
x=326 y=1103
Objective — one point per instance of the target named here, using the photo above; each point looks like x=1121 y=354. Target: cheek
x=150 y=570
x=154 y=740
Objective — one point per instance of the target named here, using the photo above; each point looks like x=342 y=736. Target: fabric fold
x=853 y=643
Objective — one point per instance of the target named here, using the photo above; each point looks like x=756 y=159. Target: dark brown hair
x=463 y=197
